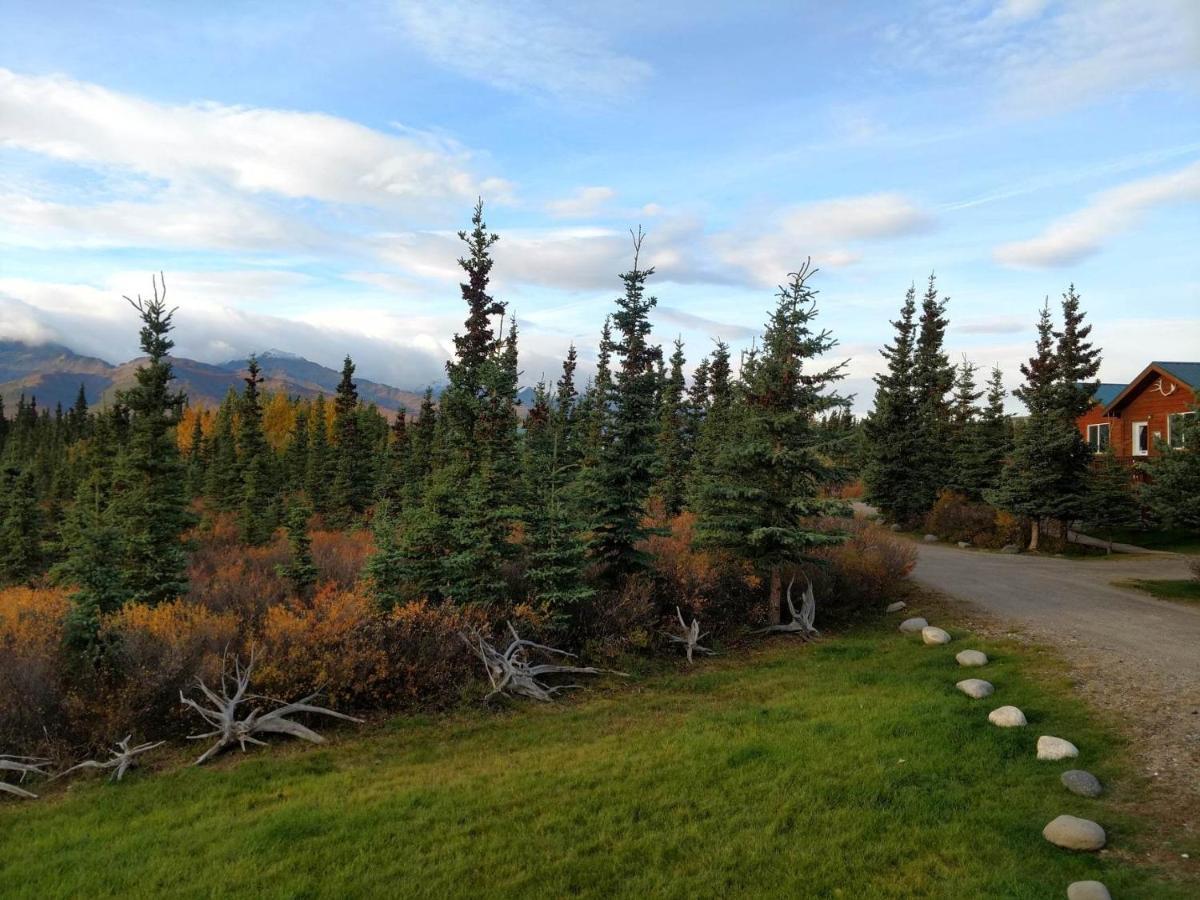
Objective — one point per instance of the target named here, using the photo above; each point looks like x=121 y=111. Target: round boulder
x=1072 y=833
x=933 y=635
x=1054 y=748
x=1087 y=890
x=897 y=606
x=971 y=658
x=963 y=545
x=1010 y=548
x=912 y=626
x=930 y=539
x=1007 y=717
x=896 y=527
x=1085 y=784
x=976 y=688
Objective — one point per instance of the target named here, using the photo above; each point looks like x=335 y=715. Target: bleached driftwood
x=24 y=766
x=802 y=622
x=690 y=638
x=228 y=729
x=123 y=759
x=510 y=671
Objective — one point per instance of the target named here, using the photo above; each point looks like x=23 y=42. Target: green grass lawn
x=1186 y=589
x=849 y=768
x=1173 y=540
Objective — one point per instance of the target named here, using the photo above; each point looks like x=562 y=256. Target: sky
x=299 y=171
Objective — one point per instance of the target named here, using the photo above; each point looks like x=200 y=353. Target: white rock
x=971 y=658
x=976 y=688
x=912 y=626
x=897 y=606
x=1073 y=833
x=963 y=545
x=1010 y=548
x=1055 y=748
x=930 y=539
x=896 y=526
x=1007 y=717
x=1087 y=890
x=931 y=634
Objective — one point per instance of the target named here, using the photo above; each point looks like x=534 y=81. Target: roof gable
x=1187 y=372
x=1154 y=369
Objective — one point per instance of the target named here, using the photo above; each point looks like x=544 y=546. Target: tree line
x=469 y=501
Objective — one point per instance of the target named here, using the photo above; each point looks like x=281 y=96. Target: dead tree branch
x=24 y=766
x=690 y=638
x=123 y=759
x=228 y=729
x=510 y=671
x=802 y=621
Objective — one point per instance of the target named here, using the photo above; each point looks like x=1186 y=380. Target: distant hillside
x=52 y=373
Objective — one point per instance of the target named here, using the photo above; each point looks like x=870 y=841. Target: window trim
x=1135 y=450
x=1100 y=446
x=1171 y=431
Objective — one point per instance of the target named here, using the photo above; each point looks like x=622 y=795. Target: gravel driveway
x=1131 y=654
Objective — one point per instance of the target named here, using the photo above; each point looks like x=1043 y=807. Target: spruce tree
x=892 y=428
x=624 y=469
x=319 y=466
x=393 y=486
x=673 y=455
x=964 y=476
x=151 y=510
x=300 y=569
x=1045 y=477
x=933 y=379
x=223 y=479
x=1110 y=502
x=352 y=485
x=1173 y=488
x=257 y=511
x=20 y=525
x=196 y=470
x=1078 y=359
x=295 y=455
x=763 y=486
x=421 y=446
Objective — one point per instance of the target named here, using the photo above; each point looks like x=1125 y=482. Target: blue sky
x=298 y=170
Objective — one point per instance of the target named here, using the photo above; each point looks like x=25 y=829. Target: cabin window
x=1098 y=437
x=1175 y=429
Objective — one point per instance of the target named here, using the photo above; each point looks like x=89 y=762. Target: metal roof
x=1107 y=392
x=1187 y=372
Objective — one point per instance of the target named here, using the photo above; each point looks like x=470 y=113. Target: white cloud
x=520 y=46
x=244 y=149
x=821 y=230
x=585 y=202
x=1039 y=57
x=1111 y=212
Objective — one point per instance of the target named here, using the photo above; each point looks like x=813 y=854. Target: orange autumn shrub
x=700 y=582
x=31 y=664
x=860 y=574
x=340 y=555
x=360 y=658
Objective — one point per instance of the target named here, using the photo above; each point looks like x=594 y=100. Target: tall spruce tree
x=764 y=483
x=1078 y=359
x=933 y=380
x=623 y=475
x=257 y=512
x=966 y=447
x=319 y=463
x=223 y=478
x=352 y=487
x=393 y=486
x=673 y=451
x=1045 y=477
x=892 y=428
x=151 y=510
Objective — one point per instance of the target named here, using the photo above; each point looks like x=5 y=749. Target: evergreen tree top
x=565 y=393
x=475 y=344
x=1041 y=372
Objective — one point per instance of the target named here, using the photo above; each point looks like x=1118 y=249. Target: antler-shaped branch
x=123 y=759
x=690 y=637
x=229 y=729
x=802 y=622
x=25 y=765
x=510 y=672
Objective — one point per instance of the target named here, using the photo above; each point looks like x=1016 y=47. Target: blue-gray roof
x=1106 y=393
x=1187 y=372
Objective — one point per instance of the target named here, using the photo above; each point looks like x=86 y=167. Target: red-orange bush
x=340 y=555
x=31 y=664
x=861 y=573
x=955 y=518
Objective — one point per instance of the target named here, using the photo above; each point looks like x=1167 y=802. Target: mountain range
x=53 y=373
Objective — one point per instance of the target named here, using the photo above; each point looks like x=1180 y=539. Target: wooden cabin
x=1132 y=418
